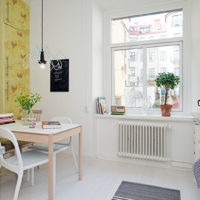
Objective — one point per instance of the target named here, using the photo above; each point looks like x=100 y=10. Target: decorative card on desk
x=59 y=80
x=51 y=125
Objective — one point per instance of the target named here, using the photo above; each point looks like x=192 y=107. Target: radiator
x=142 y=140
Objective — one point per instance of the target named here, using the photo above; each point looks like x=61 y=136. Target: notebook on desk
x=51 y=124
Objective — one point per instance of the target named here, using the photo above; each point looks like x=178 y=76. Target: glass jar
x=25 y=116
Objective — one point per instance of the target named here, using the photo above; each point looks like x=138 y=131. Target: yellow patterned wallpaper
x=16 y=52
x=1 y=58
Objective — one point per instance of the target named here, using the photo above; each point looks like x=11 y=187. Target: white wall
x=97 y=50
x=97 y=62
x=75 y=27
x=179 y=140
x=67 y=28
x=195 y=30
x=181 y=143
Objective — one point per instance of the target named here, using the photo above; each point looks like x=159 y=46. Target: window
x=152 y=73
x=151 y=56
x=144 y=30
x=152 y=91
x=128 y=81
x=157 y=24
x=137 y=63
x=133 y=56
x=176 y=20
x=163 y=56
x=177 y=71
x=163 y=69
x=176 y=56
x=147 y=27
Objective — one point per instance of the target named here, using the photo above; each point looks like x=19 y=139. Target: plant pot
x=166 y=110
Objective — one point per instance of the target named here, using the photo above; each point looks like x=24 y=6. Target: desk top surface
x=18 y=127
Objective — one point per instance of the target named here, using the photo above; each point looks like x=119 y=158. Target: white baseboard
x=180 y=164
x=161 y=164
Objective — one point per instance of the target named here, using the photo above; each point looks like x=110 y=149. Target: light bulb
x=42 y=66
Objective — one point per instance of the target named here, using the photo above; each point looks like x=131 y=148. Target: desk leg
x=80 y=154
x=50 y=141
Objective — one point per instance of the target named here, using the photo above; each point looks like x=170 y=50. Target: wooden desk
x=48 y=136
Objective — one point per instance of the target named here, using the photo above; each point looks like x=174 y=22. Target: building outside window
x=152 y=73
x=177 y=71
x=145 y=53
x=177 y=20
x=163 y=56
x=133 y=56
x=163 y=69
x=151 y=56
x=144 y=30
x=176 y=56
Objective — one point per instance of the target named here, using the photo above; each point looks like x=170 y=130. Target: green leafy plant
x=28 y=101
x=168 y=81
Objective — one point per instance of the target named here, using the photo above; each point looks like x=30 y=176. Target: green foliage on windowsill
x=168 y=81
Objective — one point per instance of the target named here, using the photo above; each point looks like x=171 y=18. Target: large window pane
x=167 y=59
x=148 y=27
x=128 y=66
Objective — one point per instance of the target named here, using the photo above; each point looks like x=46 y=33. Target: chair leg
x=54 y=175
x=73 y=154
x=18 y=185
x=28 y=175
x=32 y=176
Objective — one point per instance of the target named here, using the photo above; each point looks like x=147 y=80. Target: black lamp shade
x=42 y=60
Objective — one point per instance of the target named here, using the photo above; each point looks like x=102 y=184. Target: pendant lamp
x=42 y=60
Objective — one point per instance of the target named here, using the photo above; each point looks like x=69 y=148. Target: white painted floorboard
x=100 y=180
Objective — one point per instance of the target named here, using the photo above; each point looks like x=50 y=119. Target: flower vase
x=25 y=116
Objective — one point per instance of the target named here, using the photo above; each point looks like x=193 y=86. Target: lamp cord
x=42 y=27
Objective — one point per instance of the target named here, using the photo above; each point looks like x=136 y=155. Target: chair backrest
x=62 y=119
x=37 y=114
x=7 y=134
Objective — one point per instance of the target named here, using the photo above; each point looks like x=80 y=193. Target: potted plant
x=168 y=81
x=27 y=101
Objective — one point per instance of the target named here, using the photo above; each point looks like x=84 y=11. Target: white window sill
x=177 y=118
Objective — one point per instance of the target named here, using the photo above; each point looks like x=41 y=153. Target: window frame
x=140 y=9
x=144 y=46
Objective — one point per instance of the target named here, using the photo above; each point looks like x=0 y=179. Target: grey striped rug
x=196 y=170
x=136 y=191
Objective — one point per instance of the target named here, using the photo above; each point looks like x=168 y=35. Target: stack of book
x=51 y=125
x=118 y=110
x=101 y=105
x=6 y=118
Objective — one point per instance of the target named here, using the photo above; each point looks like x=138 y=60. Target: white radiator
x=142 y=140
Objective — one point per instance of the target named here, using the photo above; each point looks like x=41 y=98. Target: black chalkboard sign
x=59 y=75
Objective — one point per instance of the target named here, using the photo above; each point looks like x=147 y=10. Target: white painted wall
x=97 y=62
x=97 y=50
x=67 y=28
x=180 y=140
x=75 y=27
x=195 y=30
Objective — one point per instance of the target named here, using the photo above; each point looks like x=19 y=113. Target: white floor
x=100 y=180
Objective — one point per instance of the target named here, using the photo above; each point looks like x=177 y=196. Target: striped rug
x=136 y=191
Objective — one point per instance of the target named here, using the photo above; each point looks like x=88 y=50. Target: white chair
x=21 y=161
x=58 y=147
